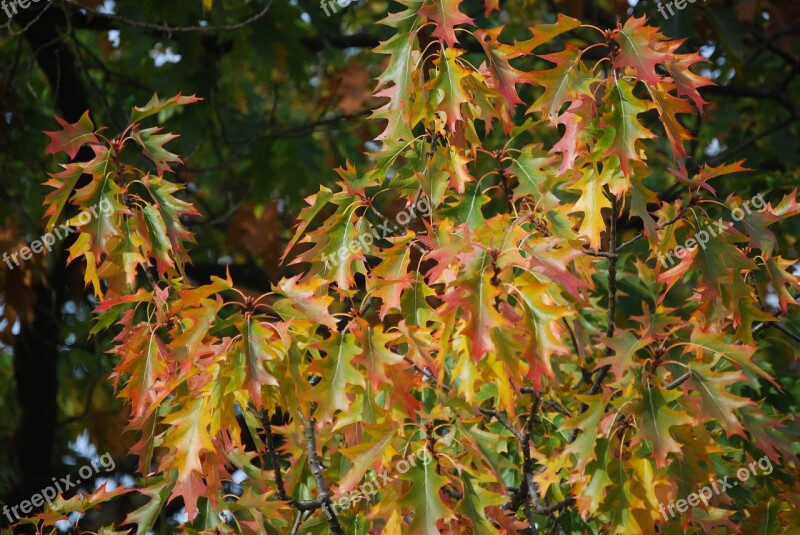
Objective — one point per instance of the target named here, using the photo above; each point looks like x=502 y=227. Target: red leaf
x=498 y=55
x=688 y=82
x=446 y=15
x=639 y=47
x=72 y=137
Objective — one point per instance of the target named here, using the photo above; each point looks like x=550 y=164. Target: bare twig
x=774 y=129
x=679 y=381
x=428 y=374
x=527 y=495
x=664 y=225
x=500 y=417
x=764 y=324
x=297 y=522
x=785 y=331
x=167 y=28
x=273 y=455
x=316 y=470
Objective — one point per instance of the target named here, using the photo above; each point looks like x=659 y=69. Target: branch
x=520 y=498
x=658 y=227
x=782 y=329
x=612 y=305
x=273 y=455
x=429 y=375
x=529 y=488
x=557 y=507
x=274 y=131
x=302 y=507
x=752 y=139
x=316 y=470
x=679 y=381
x=785 y=331
x=752 y=92
x=765 y=324
x=166 y=27
x=500 y=417
x=297 y=522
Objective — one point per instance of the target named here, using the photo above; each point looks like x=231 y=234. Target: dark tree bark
x=36 y=347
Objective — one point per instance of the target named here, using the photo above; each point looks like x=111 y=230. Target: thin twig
x=785 y=331
x=297 y=522
x=764 y=324
x=500 y=417
x=528 y=493
x=752 y=139
x=679 y=381
x=612 y=306
x=168 y=28
x=664 y=225
x=316 y=470
x=428 y=374
x=273 y=455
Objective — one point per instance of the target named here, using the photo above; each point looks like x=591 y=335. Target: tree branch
x=428 y=375
x=612 y=305
x=316 y=470
x=678 y=382
x=633 y=240
x=774 y=129
x=273 y=455
x=166 y=27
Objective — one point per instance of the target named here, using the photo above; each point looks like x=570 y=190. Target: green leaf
x=336 y=373
x=366 y=455
x=474 y=502
x=569 y=79
x=152 y=145
x=622 y=116
x=157 y=106
x=655 y=418
x=640 y=47
x=158 y=242
x=625 y=345
x=426 y=505
x=375 y=356
x=157 y=491
x=63 y=182
x=448 y=86
x=740 y=355
x=101 y=206
x=716 y=403
x=413 y=305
